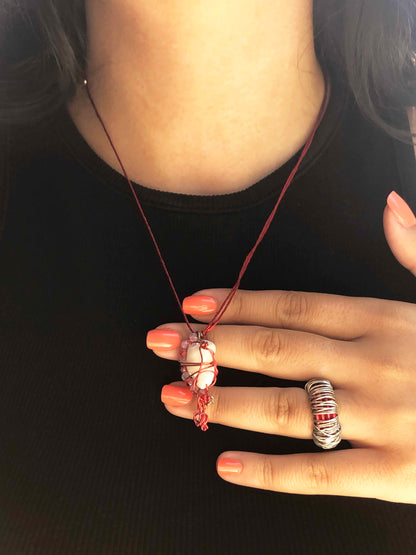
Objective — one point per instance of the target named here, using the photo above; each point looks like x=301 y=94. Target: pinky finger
x=352 y=473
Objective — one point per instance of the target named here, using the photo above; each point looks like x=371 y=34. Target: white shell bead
x=207 y=373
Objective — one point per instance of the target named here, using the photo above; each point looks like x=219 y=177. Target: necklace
x=197 y=354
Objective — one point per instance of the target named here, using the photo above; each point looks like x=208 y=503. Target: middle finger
x=279 y=353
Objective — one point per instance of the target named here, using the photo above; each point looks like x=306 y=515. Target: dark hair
x=370 y=45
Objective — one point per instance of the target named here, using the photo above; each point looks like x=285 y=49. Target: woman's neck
x=199 y=97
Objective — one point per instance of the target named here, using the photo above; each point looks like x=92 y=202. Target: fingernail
x=176 y=396
x=163 y=339
x=401 y=210
x=228 y=466
x=199 y=304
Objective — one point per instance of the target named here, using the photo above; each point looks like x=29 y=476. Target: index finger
x=334 y=316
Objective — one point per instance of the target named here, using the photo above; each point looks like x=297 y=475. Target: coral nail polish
x=175 y=395
x=401 y=210
x=229 y=466
x=163 y=339
x=199 y=304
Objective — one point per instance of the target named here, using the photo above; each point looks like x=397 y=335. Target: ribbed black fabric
x=90 y=461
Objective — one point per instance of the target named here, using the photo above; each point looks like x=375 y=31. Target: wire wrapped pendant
x=199 y=371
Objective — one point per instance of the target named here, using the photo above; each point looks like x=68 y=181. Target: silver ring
x=326 y=426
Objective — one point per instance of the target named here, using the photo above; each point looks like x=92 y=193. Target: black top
x=90 y=460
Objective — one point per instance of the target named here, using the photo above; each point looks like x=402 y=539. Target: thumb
x=400 y=231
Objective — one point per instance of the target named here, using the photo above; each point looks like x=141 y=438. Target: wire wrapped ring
x=326 y=426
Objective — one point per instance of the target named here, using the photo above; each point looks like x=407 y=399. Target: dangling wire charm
x=199 y=371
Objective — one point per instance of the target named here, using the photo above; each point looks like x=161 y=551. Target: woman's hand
x=365 y=347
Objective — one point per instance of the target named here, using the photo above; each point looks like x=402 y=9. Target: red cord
x=216 y=318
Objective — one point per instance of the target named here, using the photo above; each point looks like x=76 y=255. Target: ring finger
x=271 y=410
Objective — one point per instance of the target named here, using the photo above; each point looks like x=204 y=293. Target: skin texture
x=199 y=97
x=364 y=346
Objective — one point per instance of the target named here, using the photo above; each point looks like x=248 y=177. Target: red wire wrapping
x=201 y=417
x=204 y=398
